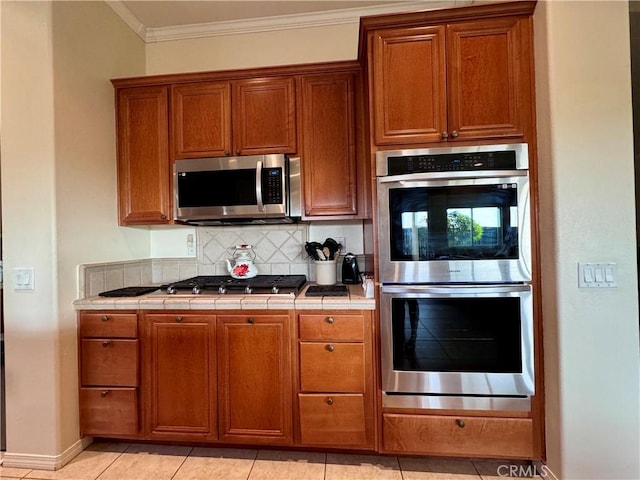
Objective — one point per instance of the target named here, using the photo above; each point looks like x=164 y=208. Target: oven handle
x=416 y=177
x=456 y=289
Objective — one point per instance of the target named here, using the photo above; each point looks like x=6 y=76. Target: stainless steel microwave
x=244 y=189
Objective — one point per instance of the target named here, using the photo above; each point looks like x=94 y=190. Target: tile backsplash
x=279 y=249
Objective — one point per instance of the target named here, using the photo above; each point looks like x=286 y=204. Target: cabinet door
x=180 y=383
x=201 y=119
x=254 y=374
x=264 y=116
x=143 y=156
x=487 y=76
x=409 y=85
x=328 y=145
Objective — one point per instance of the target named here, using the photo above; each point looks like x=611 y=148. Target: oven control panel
x=450 y=162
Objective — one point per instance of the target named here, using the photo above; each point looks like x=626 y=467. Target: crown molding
x=268 y=24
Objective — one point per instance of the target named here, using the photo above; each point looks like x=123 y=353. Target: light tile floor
x=124 y=461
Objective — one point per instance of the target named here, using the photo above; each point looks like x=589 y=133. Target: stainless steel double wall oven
x=454 y=239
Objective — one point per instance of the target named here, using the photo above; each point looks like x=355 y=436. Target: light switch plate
x=597 y=275
x=23 y=279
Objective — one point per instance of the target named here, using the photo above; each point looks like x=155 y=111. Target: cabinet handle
x=163 y=217
x=454 y=134
x=330 y=348
x=104 y=393
x=104 y=318
x=251 y=320
x=238 y=152
x=444 y=135
x=106 y=343
x=227 y=153
x=330 y=320
x=178 y=319
x=460 y=423
x=329 y=401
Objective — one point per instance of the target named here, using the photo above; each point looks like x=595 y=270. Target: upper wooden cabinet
x=452 y=82
x=329 y=145
x=143 y=155
x=243 y=117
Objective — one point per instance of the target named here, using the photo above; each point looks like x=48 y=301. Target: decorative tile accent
x=279 y=249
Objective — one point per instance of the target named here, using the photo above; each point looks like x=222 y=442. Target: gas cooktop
x=224 y=284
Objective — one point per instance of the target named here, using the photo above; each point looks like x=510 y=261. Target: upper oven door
x=456 y=230
x=230 y=187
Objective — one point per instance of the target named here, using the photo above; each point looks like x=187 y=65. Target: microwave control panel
x=272 y=186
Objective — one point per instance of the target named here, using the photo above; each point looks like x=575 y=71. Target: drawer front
x=112 y=411
x=109 y=362
x=109 y=325
x=332 y=367
x=332 y=327
x=336 y=420
x=465 y=436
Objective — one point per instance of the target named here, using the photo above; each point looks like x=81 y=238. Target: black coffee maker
x=350 y=271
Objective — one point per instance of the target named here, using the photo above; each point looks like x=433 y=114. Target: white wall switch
x=191 y=245
x=597 y=275
x=23 y=278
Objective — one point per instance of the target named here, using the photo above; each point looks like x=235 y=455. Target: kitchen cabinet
x=336 y=388
x=452 y=82
x=179 y=381
x=329 y=145
x=109 y=373
x=142 y=129
x=242 y=117
x=255 y=378
x=463 y=436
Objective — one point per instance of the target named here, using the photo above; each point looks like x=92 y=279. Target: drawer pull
x=460 y=423
x=106 y=343
x=178 y=319
x=330 y=320
x=251 y=320
x=329 y=401
x=104 y=318
x=104 y=393
x=330 y=348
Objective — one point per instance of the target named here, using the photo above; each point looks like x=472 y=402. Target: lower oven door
x=472 y=340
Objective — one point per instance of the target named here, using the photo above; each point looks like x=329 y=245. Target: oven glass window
x=457 y=334
x=454 y=223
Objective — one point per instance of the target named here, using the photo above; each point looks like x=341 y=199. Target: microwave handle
x=259 y=186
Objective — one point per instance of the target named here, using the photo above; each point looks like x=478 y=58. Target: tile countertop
x=159 y=301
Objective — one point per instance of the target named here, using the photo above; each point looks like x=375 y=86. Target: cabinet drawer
x=332 y=327
x=332 y=367
x=105 y=325
x=463 y=436
x=110 y=362
x=108 y=411
x=337 y=420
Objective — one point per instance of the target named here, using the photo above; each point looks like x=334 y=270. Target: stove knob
x=275 y=289
x=222 y=290
x=171 y=290
x=247 y=289
x=196 y=290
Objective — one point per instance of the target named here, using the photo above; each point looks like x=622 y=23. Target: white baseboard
x=45 y=462
x=544 y=471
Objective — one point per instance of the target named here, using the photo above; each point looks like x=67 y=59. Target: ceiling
x=161 y=20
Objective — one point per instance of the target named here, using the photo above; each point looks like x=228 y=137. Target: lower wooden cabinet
x=336 y=388
x=109 y=411
x=458 y=436
x=179 y=376
x=255 y=378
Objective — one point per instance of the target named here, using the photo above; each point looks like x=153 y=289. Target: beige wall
x=587 y=215
x=58 y=198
